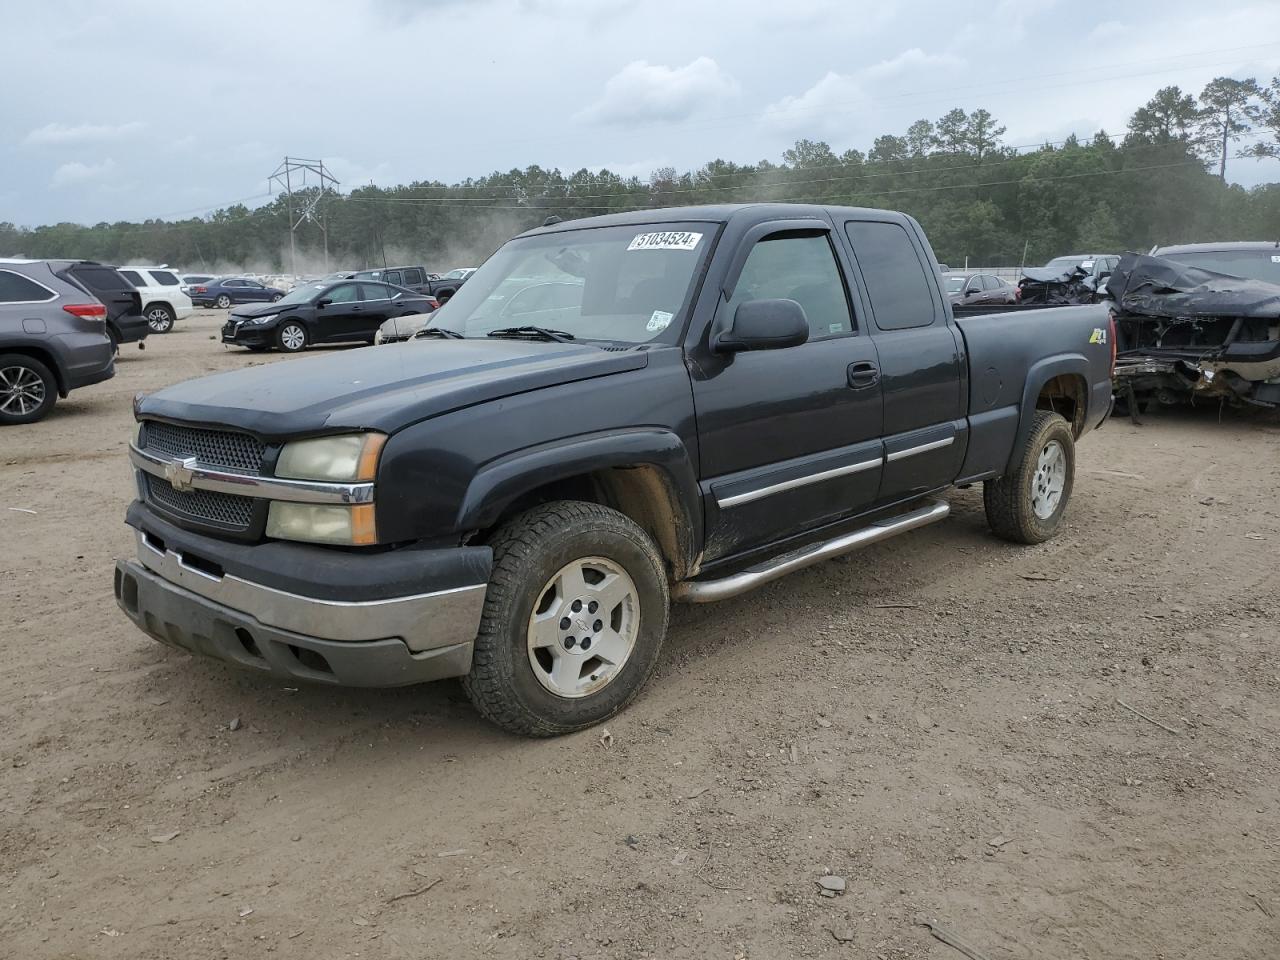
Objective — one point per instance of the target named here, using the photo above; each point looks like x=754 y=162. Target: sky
x=143 y=108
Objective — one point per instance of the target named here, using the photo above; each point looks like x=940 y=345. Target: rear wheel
x=276 y=296
x=27 y=389
x=1027 y=504
x=292 y=337
x=573 y=622
x=160 y=318
x=223 y=302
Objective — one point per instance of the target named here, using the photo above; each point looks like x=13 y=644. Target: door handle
x=863 y=374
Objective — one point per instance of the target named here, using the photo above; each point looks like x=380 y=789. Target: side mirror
x=763 y=325
x=323 y=302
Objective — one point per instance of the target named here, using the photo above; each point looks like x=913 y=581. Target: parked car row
x=61 y=323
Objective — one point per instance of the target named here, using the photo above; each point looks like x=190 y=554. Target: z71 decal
x=1098 y=336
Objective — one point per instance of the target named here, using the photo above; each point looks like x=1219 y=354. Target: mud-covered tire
x=528 y=553
x=1011 y=500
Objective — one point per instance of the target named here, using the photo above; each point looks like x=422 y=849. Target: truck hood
x=381 y=388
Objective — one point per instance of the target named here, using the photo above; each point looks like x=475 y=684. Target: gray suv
x=53 y=338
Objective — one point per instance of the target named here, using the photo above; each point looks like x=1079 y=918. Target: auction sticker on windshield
x=670 y=240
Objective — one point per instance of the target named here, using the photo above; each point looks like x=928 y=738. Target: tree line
x=1163 y=180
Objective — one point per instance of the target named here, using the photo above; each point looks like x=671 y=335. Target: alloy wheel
x=1049 y=481
x=583 y=627
x=22 y=391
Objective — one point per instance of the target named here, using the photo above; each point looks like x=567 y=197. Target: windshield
x=626 y=284
x=955 y=284
x=301 y=294
x=1062 y=264
x=454 y=275
x=1252 y=264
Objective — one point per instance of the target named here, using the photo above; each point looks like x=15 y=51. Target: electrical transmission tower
x=305 y=183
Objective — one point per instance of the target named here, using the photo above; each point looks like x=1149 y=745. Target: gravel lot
x=935 y=720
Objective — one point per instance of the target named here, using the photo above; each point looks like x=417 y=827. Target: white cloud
x=826 y=107
x=643 y=92
x=75 y=172
x=62 y=134
x=814 y=108
x=911 y=61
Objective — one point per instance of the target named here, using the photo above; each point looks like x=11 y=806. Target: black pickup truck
x=416 y=279
x=696 y=401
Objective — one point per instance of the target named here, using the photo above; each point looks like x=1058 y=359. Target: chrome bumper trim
x=424 y=621
x=188 y=474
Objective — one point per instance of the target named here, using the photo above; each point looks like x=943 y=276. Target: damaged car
x=1066 y=280
x=1185 y=332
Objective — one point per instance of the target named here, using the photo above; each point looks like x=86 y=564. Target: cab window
x=799 y=268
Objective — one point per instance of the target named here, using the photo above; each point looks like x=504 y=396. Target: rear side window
x=15 y=288
x=164 y=278
x=100 y=277
x=374 y=291
x=901 y=291
x=991 y=283
x=412 y=275
x=802 y=269
x=134 y=277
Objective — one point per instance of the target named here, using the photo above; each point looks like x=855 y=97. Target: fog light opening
x=246 y=640
x=310 y=659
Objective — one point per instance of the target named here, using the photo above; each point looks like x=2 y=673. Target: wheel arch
x=1058 y=383
x=45 y=356
x=646 y=475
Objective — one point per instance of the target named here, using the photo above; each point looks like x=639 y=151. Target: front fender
x=499 y=483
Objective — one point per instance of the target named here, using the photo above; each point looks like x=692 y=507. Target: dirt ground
x=936 y=720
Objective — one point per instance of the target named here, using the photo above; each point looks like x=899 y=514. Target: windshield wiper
x=559 y=336
x=444 y=332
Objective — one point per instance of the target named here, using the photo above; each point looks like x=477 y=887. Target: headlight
x=377 y=337
x=347 y=458
x=259 y=320
x=137 y=434
x=322 y=523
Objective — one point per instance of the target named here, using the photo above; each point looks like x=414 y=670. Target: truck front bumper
x=186 y=595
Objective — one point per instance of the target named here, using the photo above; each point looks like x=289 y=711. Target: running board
x=708 y=591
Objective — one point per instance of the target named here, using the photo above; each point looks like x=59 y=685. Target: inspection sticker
x=659 y=321
x=671 y=240
x=1275 y=259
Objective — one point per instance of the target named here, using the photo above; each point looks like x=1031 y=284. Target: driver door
x=789 y=439
x=338 y=317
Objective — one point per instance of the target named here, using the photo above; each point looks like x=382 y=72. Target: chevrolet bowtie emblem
x=179 y=474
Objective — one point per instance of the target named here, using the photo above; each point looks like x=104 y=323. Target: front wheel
x=573 y=622
x=160 y=318
x=292 y=337
x=1027 y=504
x=27 y=389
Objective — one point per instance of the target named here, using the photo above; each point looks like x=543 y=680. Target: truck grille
x=236 y=452
x=207 y=506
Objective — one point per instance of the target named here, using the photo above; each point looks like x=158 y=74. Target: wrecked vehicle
x=1064 y=281
x=611 y=413
x=1185 y=332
